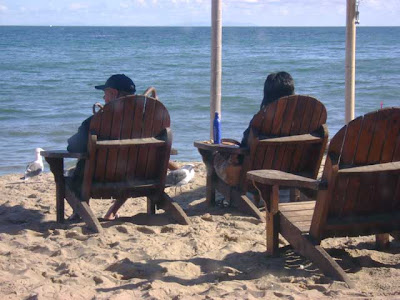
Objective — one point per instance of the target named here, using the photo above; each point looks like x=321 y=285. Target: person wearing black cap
x=118 y=85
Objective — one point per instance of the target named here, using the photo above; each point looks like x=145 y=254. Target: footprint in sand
x=166 y=229
x=75 y=235
x=122 y=229
x=145 y=230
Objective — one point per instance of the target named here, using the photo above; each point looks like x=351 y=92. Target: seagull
x=181 y=176
x=34 y=168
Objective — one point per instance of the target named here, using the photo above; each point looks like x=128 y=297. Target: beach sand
x=220 y=256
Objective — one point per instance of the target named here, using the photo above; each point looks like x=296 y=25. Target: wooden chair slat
x=300 y=111
x=351 y=196
x=391 y=143
x=319 y=117
x=287 y=159
x=148 y=122
x=350 y=141
x=296 y=158
x=278 y=117
x=152 y=162
x=115 y=134
x=303 y=138
x=289 y=114
x=267 y=116
x=278 y=158
x=380 y=130
x=138 y=118
x=267 y=158
x=126 y=131
x=362 y=150
x=308 y=116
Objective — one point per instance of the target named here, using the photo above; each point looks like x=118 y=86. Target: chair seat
x=298 y=213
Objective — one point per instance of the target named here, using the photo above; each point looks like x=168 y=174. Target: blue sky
x=195 y=12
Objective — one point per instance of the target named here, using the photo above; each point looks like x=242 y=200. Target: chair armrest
x=275 y=177
x=129 y=142
x=63 y=154
x=391 y=167
x=294 y=139
x=230 y=142
x=231 y=149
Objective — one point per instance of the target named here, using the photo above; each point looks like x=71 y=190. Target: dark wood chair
x=128 y=152
x=288 y=135
x=359 y=193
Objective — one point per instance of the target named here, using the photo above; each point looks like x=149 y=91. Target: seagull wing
x=175 y=176
x=33 y=169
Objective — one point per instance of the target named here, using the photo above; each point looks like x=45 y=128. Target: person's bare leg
x=112 y=212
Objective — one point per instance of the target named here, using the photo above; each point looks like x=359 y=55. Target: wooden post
x=216 y=65
x=350 y=64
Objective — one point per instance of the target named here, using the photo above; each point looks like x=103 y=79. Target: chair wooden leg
x=112 y=211
x=83 y=210
x=303 y=245
x=238 y=200
x=151 y=206
x=382 y=241
x=272 y=223
x=294 y=195
x=247 y=206
x=173 y=208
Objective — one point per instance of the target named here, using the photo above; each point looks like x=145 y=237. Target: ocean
x=48 y=76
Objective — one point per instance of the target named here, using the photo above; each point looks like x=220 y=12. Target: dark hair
x=277 y=85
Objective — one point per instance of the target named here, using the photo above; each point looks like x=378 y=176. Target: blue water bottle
x=217 y=129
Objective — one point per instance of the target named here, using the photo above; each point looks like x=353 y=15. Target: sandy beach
x=220 y=256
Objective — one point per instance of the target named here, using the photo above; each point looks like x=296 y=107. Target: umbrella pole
x=350 y=64
x=216 y=65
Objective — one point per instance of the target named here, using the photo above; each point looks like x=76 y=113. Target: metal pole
x=216 y=65
x=350 y=64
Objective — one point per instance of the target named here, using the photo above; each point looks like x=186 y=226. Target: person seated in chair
x=228 y=167
x=117 y=86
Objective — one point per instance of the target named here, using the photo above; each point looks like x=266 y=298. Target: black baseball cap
x=120 y=82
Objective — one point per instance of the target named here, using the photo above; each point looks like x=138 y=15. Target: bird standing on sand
x=180 y=177
x=36 y=167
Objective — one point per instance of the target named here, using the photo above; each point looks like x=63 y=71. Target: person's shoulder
x=87 y=121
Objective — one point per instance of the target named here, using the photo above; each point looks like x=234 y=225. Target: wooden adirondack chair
x=359 y=193
x=289 y=135
x=128 y=152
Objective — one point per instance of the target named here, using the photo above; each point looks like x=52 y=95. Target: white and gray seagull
x=36 y=167
x=181 y=176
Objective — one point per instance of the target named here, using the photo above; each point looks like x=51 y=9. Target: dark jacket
x=78 y=144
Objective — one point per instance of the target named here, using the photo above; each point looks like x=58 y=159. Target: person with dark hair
x=117 y=86
x=276 y=85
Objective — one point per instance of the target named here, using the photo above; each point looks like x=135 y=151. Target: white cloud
x=141 y=2
x=3 y=8
x=78 y=6
x=381 y=5
x=124 y=4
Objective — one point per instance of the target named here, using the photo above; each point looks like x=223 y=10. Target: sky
x=194 y=12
